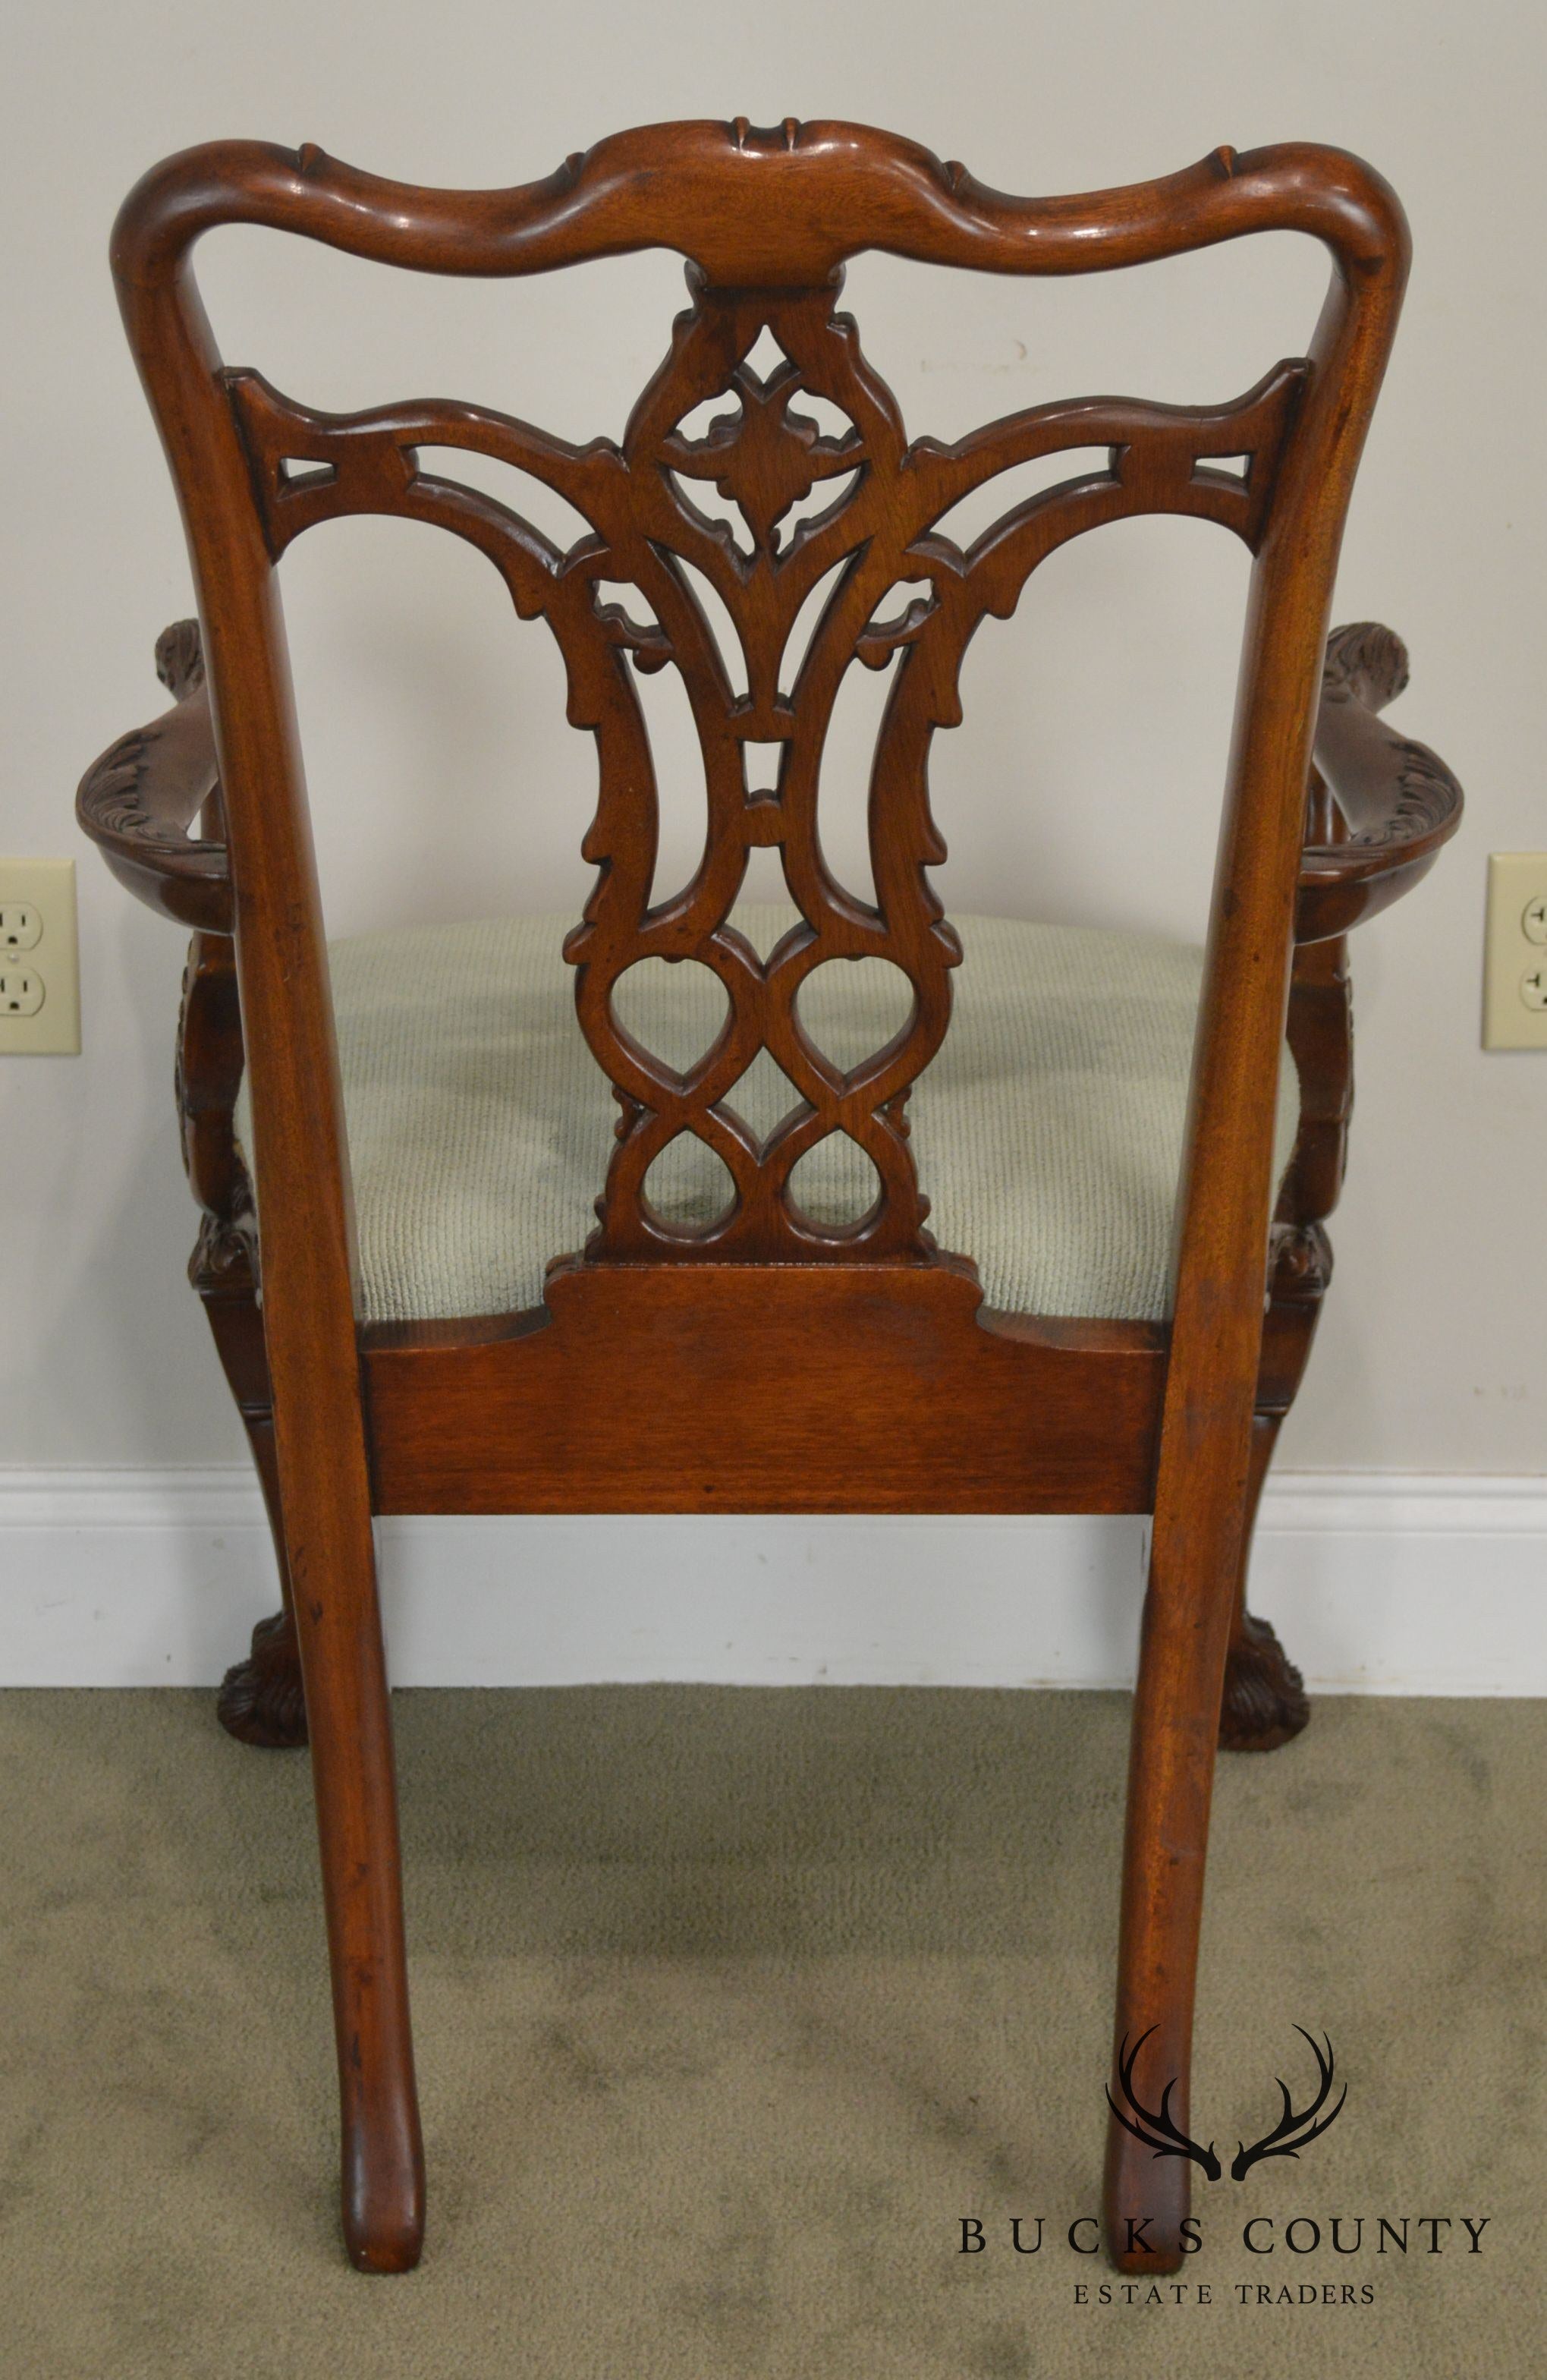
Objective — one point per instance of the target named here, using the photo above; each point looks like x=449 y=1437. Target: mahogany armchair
x=809 y=1344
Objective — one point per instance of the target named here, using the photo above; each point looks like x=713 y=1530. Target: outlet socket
x=21 y=991
x=40 y=977
x=20 y=927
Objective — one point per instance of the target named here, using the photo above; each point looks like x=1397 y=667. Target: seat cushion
x=1047 y=1132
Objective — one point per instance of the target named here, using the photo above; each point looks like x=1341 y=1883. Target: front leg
x=1265 y=1701
x=262 y=1700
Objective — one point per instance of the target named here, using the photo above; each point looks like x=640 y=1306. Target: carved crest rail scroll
x=858 y=503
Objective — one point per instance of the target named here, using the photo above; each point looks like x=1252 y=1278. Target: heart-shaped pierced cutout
x=852 y=1008
x=675 y=1009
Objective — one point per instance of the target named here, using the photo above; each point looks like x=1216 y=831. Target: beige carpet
x=730 y=2005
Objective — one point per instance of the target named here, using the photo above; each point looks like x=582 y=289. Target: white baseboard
x=1378 y=1583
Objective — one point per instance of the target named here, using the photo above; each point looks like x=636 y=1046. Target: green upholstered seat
x=1047 y=1132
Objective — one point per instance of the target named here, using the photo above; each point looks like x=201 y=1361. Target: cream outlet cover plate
x=39 y=974
x=1514 y=964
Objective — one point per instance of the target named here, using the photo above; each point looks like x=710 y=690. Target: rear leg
x=1181 y=1661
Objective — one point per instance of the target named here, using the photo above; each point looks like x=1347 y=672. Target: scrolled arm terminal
x=1400 y=801
x=138 y=800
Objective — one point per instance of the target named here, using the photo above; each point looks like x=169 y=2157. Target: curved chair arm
x=137 y=802
x=1400 y=800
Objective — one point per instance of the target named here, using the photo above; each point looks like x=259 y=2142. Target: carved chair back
x=789 y=1366
x=765 y=220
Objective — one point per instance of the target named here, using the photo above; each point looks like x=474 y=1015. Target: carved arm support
x=1396 y=799
x=137 y=802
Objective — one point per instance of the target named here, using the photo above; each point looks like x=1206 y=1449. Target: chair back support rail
x=793 y=1364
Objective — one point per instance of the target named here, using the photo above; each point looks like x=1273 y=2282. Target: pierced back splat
x=859 y=502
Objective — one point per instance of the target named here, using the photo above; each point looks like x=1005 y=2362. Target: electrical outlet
x=1514 y=966
x=39 y=978
x=21 y=991
x=19 y=929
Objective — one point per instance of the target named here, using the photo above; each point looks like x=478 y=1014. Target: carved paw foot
x=1265 y=1701
x=262 y=1700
